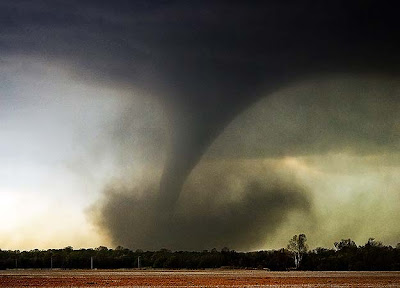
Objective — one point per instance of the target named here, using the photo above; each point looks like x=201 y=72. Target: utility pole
x=138 y=262
x=91 y=262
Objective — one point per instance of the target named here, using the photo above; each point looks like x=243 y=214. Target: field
x=198 y=278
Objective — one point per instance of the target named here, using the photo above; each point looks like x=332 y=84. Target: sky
x=194 y=125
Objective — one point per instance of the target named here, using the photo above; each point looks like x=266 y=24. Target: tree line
x=345 y=255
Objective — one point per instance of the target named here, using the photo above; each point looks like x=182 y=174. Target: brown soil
x=207 y=278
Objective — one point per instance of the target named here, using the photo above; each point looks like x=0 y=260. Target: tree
x=297 y=245
x=345 y=243
x=225 y=250
x=373 y=243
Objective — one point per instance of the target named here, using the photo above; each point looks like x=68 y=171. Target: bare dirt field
x=199 y=278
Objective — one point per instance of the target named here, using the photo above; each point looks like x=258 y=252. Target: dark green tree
x=345 y=243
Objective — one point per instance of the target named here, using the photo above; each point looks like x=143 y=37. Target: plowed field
x=203 y=278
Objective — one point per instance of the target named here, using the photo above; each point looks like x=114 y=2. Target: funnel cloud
x=205 y=62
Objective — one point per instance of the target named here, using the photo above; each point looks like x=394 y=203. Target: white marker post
x=91 y=262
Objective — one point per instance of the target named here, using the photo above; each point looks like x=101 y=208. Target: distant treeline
x=346 y=256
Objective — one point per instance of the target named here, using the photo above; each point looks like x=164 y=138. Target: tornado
x=206 y=61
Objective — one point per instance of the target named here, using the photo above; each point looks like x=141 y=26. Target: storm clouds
x=317 y=78
x=223 y=204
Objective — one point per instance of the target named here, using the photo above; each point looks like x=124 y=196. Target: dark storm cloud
x=205 y=60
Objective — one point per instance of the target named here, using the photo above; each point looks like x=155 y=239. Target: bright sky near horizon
x=46 y=181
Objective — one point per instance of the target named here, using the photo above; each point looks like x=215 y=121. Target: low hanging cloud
x=222 y=204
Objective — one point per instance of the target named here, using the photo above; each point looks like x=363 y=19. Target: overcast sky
x=251 y=123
